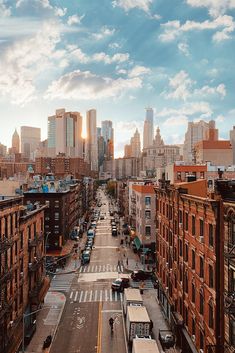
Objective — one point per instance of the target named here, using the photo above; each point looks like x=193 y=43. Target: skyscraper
x=135 y=145
x=65 y=134
x=232 y=141
x=196 y=132
x=108 y=135
x=91 y=140
x=15 y=142
x=30 y=139
x=148 y=128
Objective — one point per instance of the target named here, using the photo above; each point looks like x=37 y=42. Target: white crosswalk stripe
x=95 y=296
x=99 y=268
x=62 y=282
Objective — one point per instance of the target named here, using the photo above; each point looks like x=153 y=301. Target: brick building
x=189 y=251
x=22 y=279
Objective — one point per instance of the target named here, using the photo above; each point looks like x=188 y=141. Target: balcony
x=34 y=266
x=37 y=239
x=5 y=275
x=5 y=244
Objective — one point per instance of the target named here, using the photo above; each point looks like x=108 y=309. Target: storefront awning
x=137 y=243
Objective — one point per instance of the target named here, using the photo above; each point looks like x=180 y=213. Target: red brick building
x=189 y=250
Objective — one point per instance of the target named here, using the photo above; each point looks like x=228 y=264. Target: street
x=90 y=302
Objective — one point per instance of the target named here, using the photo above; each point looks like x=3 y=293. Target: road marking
x=110 y=295
x=96 y=268
x=106 y=295
x=95 y=295
x=71 y=294
x=76 y=295
x=91 y=296
x=86 y=292
x=115 y=296
x=101 y=295
x=111 y=311
x=81 y=294
x=99 y=336
x=121 y=297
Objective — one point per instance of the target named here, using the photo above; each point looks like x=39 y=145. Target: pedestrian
x=127 y=261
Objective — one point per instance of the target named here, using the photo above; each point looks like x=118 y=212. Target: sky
x=119 y=57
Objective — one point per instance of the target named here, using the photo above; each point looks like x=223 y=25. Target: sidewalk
x=47 y=321
x=149 y=296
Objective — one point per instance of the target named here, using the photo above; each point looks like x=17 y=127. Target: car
x=114 y=232
x=101 y=217
x=88 y=248
x=90 y=233
x=120 y=283
x=93 y=225
x=141 y=275
x=86 y=257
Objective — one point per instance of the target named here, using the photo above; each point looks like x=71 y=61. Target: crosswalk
x=148 y=284
x=97 y=295
x=62 y=283
x=100 y=268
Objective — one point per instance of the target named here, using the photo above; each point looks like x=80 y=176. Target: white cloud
x=80 y=56
x=107 y=59
x=132 y=4
x=139 y=71
x=21 y=63
x=188 y=109
x=75 y=19
x=115 y=45
x=207 y=90
x=176 y=121
x=4 y=10
x=220 y=119
x=59 y=11
x=104 y=32
x=180 y=86
x=215 y=7
x=174 y=29
x=88 y=86
x=184 y=48
x=43 y=3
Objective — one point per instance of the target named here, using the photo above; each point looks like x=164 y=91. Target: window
x=57 y=216
x=186 y=253
x=201 y=267
x=201 y=303
x=186 y=282
x=186 y=316
x=211 y=276
x=211 y=235
x=147 y=200
x=148 y=231
x=201 y=228
x=193 y=327
x=193 y=225
x=180 y=217
x=193 y=293
x=193 y=260
x=186 y=221
x=180 y=248
x=210 y=319
x=201 y=340
x=148 y=214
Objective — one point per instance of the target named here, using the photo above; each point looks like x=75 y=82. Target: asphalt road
x=90 y=301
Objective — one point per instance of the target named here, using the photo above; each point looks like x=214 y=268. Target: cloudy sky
x=118 y=56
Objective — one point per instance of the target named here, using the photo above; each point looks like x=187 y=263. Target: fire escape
x=230 y=293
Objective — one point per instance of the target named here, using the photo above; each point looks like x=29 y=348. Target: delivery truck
x=144 y=345
x=132 y=296
x=137 y=322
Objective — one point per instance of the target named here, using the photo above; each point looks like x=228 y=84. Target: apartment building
x=23 y=283
x=189 y=254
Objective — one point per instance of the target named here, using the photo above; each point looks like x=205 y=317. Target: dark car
x=114 y=232
x=141 y=275
x=86 y=257
x=120 y=283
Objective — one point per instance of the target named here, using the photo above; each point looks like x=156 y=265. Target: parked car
x=141 y=275
x=90 y=233
x=86 y=257
x=114 y=232
x=120 y=283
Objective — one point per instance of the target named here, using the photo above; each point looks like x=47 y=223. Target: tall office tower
x=101 y=151
x=91 y=140
x=65 y=134
x=127 y=151
x=15 y=142
x=3 y=150
x=108 y=135
x=148 y=128
x=30 y=139
x=232 y=141
x=99 y=132
x=196 y=132
x=135 y=145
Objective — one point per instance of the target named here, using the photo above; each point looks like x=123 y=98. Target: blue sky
x=118 y=56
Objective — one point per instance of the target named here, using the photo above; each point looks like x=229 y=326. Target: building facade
x=15 y=142
x=65 y=134
x=91 y=154
x=22 y=276
x=189 y=251
x=30 y=138
x=148 y=128
x=232 y=141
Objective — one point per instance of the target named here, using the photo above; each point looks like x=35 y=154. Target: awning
x=189 y=341
x=137 y=243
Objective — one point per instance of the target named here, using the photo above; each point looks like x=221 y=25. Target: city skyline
x=136 y=54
